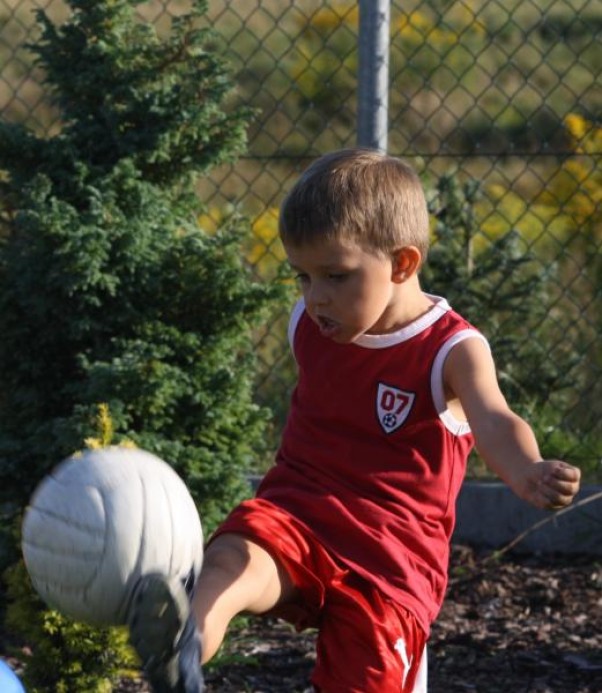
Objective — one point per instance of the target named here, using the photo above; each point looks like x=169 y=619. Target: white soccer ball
x=100 y=521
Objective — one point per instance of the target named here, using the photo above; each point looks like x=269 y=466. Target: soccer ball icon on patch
x=389 y=420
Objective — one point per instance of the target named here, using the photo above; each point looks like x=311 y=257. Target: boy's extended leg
x=237 y=575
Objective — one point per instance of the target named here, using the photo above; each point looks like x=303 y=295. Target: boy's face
x=348 y=291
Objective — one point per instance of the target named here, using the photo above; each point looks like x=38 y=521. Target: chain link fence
x=496 y=104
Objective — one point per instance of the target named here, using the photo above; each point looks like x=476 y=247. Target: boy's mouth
x=327 y=326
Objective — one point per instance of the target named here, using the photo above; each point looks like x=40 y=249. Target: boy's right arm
x=503 y=439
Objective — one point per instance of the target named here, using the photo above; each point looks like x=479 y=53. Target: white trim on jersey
x=381 y=341
x=294 y=321
x=454 y=425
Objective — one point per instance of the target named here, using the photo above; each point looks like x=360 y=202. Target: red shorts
x=366 y=643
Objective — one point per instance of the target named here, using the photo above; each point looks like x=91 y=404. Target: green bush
x=68 y=657
x=109 y=290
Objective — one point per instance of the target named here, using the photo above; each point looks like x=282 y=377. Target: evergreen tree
x=109 y=290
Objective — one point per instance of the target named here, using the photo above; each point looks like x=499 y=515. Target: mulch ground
x=511 y=625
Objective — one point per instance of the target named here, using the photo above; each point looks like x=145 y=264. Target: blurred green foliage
x=503 y=290
x=112 y=294
x=109 y=289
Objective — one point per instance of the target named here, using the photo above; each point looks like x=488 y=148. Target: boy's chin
x=346 y=337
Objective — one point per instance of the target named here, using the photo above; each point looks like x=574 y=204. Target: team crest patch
x=393 y=406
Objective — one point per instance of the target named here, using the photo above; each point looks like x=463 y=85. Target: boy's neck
x=408 y=304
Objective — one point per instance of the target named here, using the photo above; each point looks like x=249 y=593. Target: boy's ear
x=406 y=263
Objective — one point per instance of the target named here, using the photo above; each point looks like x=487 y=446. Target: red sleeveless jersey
x=371 y=461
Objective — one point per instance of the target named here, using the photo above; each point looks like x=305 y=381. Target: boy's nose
x=317 y=296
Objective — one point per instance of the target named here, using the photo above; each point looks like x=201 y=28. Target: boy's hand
x=548 y=484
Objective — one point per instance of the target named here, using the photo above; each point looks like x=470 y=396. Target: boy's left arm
x=503 y=439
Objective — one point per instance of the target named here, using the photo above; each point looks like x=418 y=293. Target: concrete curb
x=491 y=516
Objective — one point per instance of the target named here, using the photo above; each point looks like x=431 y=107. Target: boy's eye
x=338 y=277
x=302 y=278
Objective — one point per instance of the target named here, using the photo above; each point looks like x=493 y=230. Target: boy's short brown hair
x=360 y=195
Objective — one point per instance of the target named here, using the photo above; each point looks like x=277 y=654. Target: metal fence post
x=373 y=80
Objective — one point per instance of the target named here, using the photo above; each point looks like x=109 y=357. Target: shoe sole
x=159 y=611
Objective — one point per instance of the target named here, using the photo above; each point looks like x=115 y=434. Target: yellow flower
x=576 y=125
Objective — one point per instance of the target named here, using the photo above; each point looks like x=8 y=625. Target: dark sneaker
x=163 y=633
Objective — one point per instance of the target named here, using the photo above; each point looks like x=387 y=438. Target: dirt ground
x=511 y=625
x=514 y=625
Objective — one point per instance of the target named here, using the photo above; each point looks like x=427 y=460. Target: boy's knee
x=236 y=555
x=232 y=558
x=228 y=553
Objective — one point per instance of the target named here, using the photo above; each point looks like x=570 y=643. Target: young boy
x=349 y=532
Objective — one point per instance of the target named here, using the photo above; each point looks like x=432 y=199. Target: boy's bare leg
x=171 y=637
x=237 y=576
